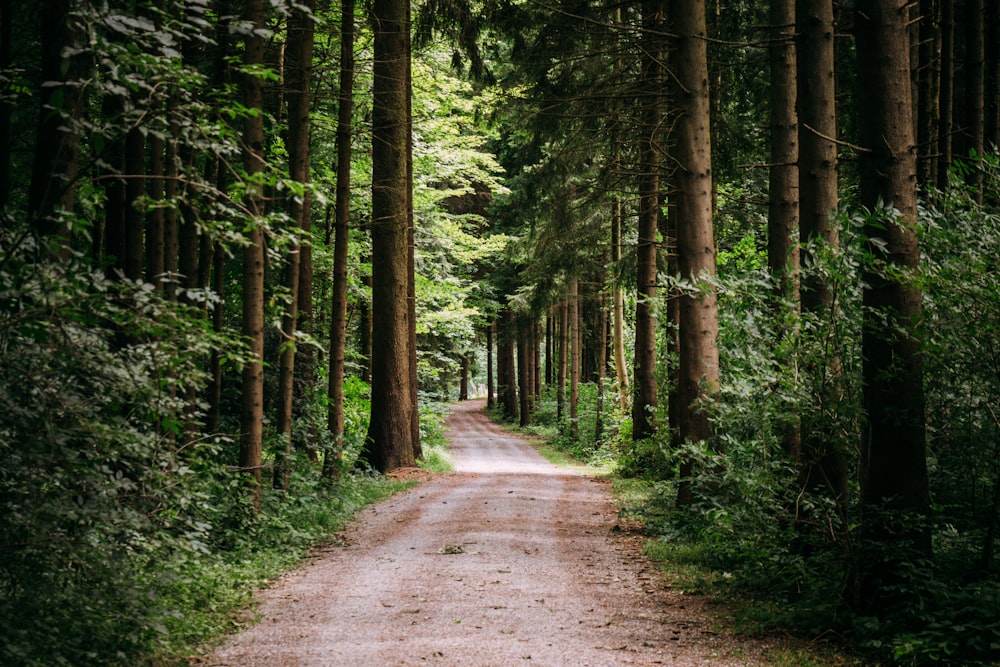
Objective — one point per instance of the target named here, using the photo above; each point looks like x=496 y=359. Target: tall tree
x=783 y=201
x=699 y=319
x=389 y=443
x=57 y=141
x=894 y=486
x=824 y=465
x=252 y=414
x=342 y=221
x=298 y=82
x=645 y=399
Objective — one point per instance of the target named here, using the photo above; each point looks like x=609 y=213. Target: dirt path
x=507 y=561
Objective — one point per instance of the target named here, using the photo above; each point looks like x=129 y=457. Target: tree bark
x=699 y=321
x=823 y=462
x=946 y=94
x=927 y=81
x=894 y=485
x=783 y=206
x=57 y=141
x=389 y=443
x=298 y=81
x=342 y=221
x=490 y=401
x=975 y=117
x=252 y=414
x=645 y=400
x=575 y=357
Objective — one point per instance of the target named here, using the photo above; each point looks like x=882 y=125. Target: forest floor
x=508 y=560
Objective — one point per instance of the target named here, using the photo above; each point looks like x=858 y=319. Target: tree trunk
x=135 y=172
x=342 y=220
x=817 y=133
x=824 y=464
x=974 y=93
x=946 y=94
x=299 y=77
x=463 y=381
x=991 y=131
x=252 y=415
x=507 y=390
x=783 y=208
x=57 y=141
x=154 y=217
x=927 y=82
x=490 y=402
x=524 y=372
x=894 y=485
x=645 y=401
x=699 y=321
x=389 y=443
x=6 y=105
x=618 y=306
x=549 y=347
x=575 y=356
x=602 y=362
x=563 y=309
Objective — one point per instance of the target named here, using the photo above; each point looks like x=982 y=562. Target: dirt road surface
x=509 y=560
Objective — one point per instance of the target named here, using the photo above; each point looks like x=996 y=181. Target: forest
x=745 y=253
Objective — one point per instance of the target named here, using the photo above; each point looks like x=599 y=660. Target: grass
x=211 y=597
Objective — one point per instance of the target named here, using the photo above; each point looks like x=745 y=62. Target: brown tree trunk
x=135 y=172
x=563 y=310
x=389 y=443
x=575 y=357
x=824 y=465
x=549 y=347
x=991 y=131
x=299 y=76
x=524 y=373
x=946 y=94
x=602 y=362
x=974 y=121
x=927 y=82
x=57 y=141
x=618 y=309
x=507 y=380
x=490 y=402
x=645 y=400
x=342 y=219
x=6 y=105
x=154 y=217
x=463 y=381
x=699 y=321
x=252 y=415
x=817 y=135
x=783 y=208
x=894 y=485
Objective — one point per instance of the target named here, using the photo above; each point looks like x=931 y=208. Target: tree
x=894 y=486
x=252 y=415
x=389 y=443
x=299 y=81
x=783 y=201
x=342 y=217
x=823 y=463
x=57 y=141
x=699 y=320
x=645 y=400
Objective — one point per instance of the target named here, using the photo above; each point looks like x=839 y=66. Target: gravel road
x=508 y=560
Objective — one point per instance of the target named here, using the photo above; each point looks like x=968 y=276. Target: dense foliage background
x=544 y=139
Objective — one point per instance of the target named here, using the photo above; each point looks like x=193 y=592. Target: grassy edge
x=224 y=602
